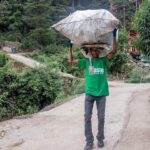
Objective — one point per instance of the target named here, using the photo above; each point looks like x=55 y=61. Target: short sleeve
x=82 y=63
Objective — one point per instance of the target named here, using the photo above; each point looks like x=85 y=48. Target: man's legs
x=100 y=103
x=89 y=101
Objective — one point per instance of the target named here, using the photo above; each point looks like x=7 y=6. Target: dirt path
x=61 y=128
x=33 y=63
x=27 y=61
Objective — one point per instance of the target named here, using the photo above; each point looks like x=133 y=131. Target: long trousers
x=100 y=103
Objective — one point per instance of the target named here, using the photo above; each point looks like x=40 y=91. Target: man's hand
x=70 y=45
x=115 y=32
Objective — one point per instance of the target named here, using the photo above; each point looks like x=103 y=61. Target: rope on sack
x=84 y=54
x=90 y=61
x=91 y=69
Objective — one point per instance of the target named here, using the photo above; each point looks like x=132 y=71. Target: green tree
x=125 y=10
x=143 y=26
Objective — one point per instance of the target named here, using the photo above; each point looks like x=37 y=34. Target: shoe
x=88 y=146
x=100 y=144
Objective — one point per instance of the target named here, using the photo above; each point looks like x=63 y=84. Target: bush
x=120 y=59
x=57 y=57
x=28 y=92
x=79 y=87
x=7 y=102
x=122 y=40
x=3 y=60
x=39 y=56
x=28 y=42
x=117 y=64
x=53 y=49
x=138 y=75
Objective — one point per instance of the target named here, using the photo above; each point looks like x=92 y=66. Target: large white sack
x=88 y=27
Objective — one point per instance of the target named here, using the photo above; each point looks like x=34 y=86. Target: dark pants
x=100 y=103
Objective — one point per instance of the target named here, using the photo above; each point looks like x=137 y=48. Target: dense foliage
x=120 y=59
x=59 y=59
x=143 y=26
x=29 y=22
x=27 y=92
x=3 y=60
x=125 y=10
x=139 y=75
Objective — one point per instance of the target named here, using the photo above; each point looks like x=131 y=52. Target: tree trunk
x=112 y=7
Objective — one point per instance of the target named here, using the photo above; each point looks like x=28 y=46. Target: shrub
x=141 y=24
x=3 y=60
x=117 y=64
x=28 y=42
x=138 y=75
x=79 y=87
x=122 y=40
x=53 y=49
x=7 y=101
x=120 y=59
x=27 y=92
x=57 y=57
x=14 y=36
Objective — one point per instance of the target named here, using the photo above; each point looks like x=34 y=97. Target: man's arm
x=114 y=45
x=70 y=56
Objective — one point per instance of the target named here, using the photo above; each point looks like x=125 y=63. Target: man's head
x=96 y=52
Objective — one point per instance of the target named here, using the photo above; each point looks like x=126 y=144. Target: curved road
x=126 y=128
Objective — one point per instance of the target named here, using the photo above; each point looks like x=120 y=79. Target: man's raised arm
x=70 y=56
x=114 y=46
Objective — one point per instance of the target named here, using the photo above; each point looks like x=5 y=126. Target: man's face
x=95 y=52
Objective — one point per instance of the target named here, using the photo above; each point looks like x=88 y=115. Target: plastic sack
x=88 y=27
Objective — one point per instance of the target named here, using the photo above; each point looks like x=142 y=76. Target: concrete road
x=62 y=128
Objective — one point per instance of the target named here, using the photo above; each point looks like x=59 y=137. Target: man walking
x=96 y=89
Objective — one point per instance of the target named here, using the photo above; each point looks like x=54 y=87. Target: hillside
x=27 y=23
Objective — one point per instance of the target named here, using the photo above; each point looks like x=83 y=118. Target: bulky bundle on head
x=89 y=27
